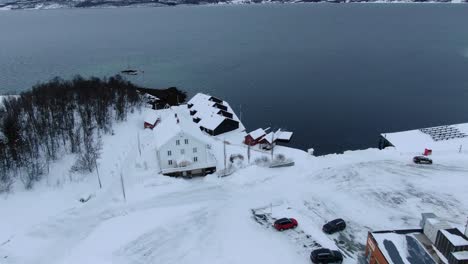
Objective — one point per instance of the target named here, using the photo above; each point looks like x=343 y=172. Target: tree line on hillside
x=57 y=117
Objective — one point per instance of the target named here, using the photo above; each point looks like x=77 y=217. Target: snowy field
x=209 y=220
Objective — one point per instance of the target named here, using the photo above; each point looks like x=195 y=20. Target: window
x=169 y=153
x=195 y=159
x=177 y=142
x=169 y=162
x=194 y=150
x=186 y=141
x=182 y=151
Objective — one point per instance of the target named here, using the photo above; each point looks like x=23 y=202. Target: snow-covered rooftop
x=211 y=121
x=456 y=240
x=443 y=138
x=257 y=133
x=208 y=112
x=402 y=248
x=460 y=255
x=151 y=116
x=283 y=135
x=169 y=127
x=204 y=110
x=198 y=98
x=270 y=137
x=438 y=223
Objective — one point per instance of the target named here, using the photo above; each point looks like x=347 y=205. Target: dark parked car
x=325 y=255
x=422 y=160
x=334 y=226
x=285 y=223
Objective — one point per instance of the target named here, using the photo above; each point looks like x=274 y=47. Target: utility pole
x=272 y=144
x=138 y=137
x=224 y=141
x=123 y=187
x=248 y=154
x=97 y=172
x=466 y=227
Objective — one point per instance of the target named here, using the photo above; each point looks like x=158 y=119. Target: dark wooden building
x=218 y=126
x=450 y=241
x=213 y=115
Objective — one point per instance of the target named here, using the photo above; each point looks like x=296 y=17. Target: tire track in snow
x=66 y=231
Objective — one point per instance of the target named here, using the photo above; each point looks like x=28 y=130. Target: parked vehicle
x=285 y=223
x=334 y=226
x=325 y=255
x=422 y=160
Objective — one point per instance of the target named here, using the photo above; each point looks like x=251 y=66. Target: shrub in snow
x=262 y=161
x=234 y=157
x=280 y=158
x=5 y=182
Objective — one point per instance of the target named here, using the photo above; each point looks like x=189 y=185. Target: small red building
x=151 y=120
x=254 y=137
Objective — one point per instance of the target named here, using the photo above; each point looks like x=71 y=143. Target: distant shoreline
x=101 y=4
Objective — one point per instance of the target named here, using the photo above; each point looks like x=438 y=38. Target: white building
x=182 y=148
x=452 y=138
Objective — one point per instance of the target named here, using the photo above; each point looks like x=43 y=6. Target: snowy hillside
x=209 y=220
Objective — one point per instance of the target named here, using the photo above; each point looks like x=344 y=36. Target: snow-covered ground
x=209 y=220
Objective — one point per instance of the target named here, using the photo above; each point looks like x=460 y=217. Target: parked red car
x=285 y=223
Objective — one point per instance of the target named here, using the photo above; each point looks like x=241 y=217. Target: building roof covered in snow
x=269 y=138
x=460 y=255
x=199 y=97
x=172 y=125
x=455 y=237
x=283 y=135
x=211 y=121
x=441 y=138
x=211 y=111
x=277 y=136
x=257 y=133
x=151 y=116
x=402 y=247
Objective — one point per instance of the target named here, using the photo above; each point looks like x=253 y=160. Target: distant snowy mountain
x=52 y=4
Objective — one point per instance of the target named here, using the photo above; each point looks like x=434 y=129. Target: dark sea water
x=336 y=75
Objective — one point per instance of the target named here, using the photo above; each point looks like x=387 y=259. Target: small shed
x=151 y=119
x=254 y=137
